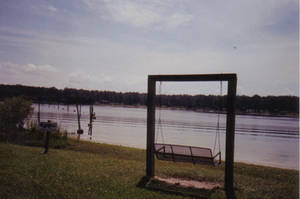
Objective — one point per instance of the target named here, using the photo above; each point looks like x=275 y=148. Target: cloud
x=48 y=75
x=84 y=80
x=51 y=8
x=266 y=67
x=116 y=57
x=177 y=19
x=40 y=68
x=134 y=14
x=41 y=8
x=140 y=13
x=30 y=74
x=23 y=69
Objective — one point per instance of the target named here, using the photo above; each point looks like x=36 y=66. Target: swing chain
x=159 y=125
x=217 y=137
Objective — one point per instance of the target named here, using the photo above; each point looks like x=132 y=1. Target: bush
x=34 y=137
x=13 y=112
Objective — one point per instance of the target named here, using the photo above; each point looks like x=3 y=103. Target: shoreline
x=73 y=136
x=289 y=115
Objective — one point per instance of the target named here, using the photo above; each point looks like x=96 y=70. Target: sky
x=115 y=44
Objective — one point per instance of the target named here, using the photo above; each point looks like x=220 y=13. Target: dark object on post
x=47 y=127
x=79 y=131
x=230 y=120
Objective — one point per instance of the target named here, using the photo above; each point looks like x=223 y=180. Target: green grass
x=90 y=170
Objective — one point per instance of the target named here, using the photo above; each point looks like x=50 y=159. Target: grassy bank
x=89 y=170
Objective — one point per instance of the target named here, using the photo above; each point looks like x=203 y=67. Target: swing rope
x=159 y=123
x=217 y=137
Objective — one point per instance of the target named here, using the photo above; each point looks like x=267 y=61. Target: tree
x=277 y=105
x=13 y=112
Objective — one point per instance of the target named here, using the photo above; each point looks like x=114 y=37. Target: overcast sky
x=115 y=44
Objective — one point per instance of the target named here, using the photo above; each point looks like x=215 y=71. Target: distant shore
x=275 y=106
x=264 y=114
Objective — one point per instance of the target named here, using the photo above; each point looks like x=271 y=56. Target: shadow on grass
x=156 y=185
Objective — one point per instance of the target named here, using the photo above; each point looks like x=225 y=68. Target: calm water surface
x=270 y=141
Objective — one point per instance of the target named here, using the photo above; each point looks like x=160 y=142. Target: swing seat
x=181 y=153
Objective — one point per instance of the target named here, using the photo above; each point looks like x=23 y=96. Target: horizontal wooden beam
x=194 y=77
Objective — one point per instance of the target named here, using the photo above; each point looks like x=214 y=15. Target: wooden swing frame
x=230 y=120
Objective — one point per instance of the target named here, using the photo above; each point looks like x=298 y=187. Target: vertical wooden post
x=230 y=128
x=39 y=114
x=150 y=127
x=91 y=121
x=78 y=115
x=79 y=131
x=47 y=142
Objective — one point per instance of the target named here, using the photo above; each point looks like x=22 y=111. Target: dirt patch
x=190 y=183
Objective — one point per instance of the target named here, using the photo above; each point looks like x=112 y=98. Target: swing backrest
x=183 y=150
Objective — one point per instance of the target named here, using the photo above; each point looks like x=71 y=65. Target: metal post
x=150 y=127
x=47 y=142
x=230 y=128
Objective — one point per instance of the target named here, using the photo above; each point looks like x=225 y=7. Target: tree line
x=275 y=105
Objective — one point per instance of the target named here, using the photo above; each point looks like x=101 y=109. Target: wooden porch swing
x=189 y=154
x=181 y=153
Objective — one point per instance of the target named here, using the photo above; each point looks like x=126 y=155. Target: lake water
x=270 y=141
